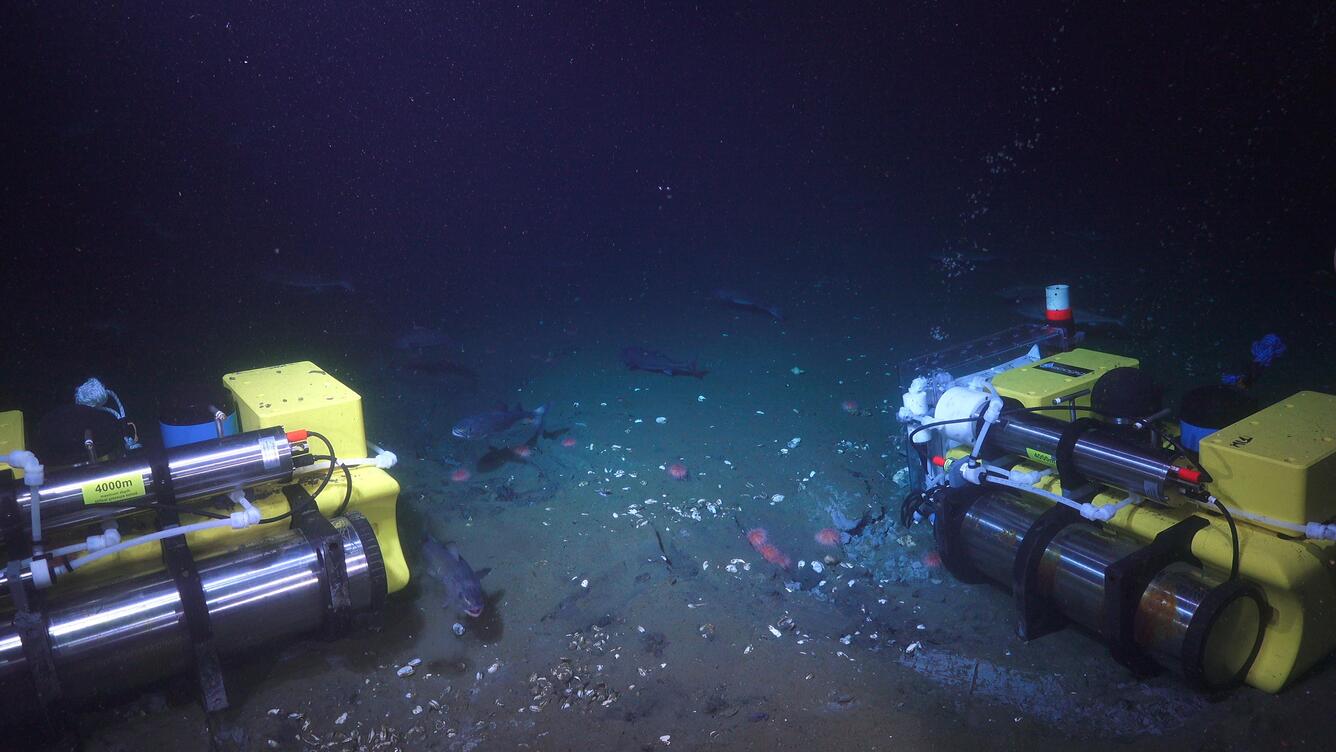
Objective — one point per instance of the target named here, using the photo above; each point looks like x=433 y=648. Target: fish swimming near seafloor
x=422 y=337
x=309 y=283
x=739 y=299
x=485 y=424
x=434 y=362
x=640 y=359
x=1018 y=293
x=463 y=586
x=949 y=257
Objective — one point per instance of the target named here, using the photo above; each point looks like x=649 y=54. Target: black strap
x=30 y=616
x=1075 y=485
x=17 y=546
x=181 y=566
x=1125 y=582
x=952 y=506
x=328 y=545
x=1037 y=615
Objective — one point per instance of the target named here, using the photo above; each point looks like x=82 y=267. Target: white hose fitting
x=990 y=414
x=973 y=471
x=41 y=574
x=34 y=473
x=385 y=459
x=248 y=515
x=84 y=561
x=1319 y=531
x=111 y=534
x=1030 y=478
x=1107 y=511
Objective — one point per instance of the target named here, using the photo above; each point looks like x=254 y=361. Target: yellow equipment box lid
x=1060 y=375
x=11 y=435
x=1279 y=462
x=300 y=396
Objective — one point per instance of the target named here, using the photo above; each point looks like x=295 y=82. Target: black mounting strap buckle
x=328 y=545
x=1037 y=617
x=1125 y=582
x=185 y=573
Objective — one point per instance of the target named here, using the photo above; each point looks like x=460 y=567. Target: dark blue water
x=548 y=183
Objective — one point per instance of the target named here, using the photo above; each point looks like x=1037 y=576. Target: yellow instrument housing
x=1041 y=383
x=296 y=396
x=1295 y=575
x=11 y=437
x=1279 y=462
x=300 y=395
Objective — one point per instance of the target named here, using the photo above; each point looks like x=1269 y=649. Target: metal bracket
x=1037 y=616
x=1125 y=582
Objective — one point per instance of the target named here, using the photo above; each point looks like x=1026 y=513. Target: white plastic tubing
x=249 y=516
x=990 y=417
x=1087 y=510
x=1314 y=530
x=34 y=475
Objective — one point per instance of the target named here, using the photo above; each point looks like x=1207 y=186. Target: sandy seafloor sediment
x=680 y=652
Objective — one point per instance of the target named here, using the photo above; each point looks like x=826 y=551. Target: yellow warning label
x=116 y=488
x=1043 y=458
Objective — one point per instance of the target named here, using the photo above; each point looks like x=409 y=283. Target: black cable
x=924 y=460
x=1234 y=534
x=926 y=426
x=329 y=474
x=1178 y=450
x=179 y=509
x=1003 y=414
x=908 y=507
x=347 y=492
x=332 y=460
x=329 y=471
x=276 y=518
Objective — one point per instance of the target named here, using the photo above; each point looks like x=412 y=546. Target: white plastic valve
x=34 y=474
x=41 y=574
x=1319 y=531
x=973 y=472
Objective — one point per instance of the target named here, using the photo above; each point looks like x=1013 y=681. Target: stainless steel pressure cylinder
x=1172 y=622
x=115 y=637
x=1102 y=457
x=87 y=493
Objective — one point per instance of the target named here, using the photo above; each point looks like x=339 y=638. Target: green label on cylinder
x=1043 y=458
